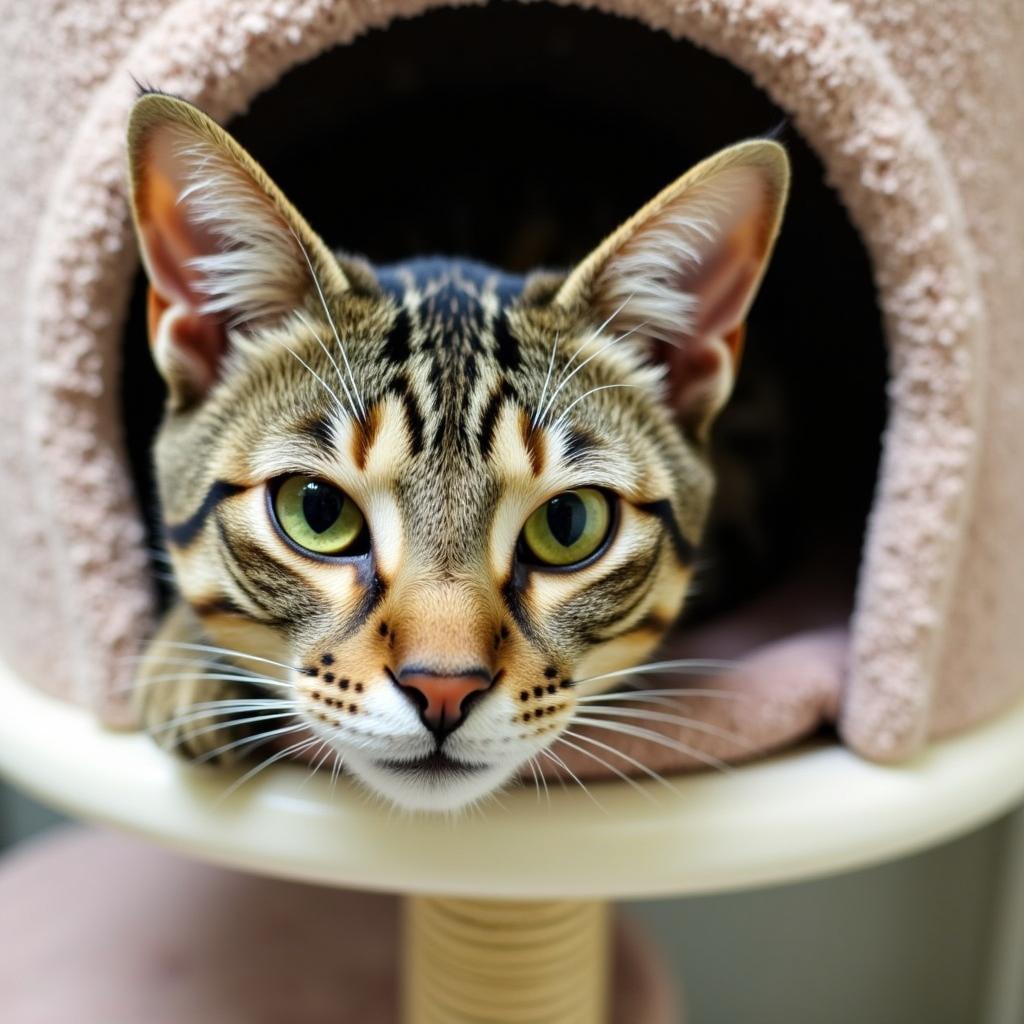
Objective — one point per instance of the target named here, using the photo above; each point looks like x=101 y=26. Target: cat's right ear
x=221 y=245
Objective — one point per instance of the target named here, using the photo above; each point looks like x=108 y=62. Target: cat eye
x=568 y=529
x=319 y=517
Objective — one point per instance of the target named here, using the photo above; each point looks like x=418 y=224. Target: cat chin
x=440 y=793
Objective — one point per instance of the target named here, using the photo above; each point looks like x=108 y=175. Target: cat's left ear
x=682 y=273
x=222 y=246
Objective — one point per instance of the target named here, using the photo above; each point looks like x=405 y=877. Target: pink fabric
x=915 y=110
x=102 y=929
x=786 y=687
x=782 y=693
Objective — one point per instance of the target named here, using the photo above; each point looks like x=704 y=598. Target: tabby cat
x=416 y=512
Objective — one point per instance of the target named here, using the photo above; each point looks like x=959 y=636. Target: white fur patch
x=258 y=269
x=655 y=275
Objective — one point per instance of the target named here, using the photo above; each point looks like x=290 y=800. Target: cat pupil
x=567 y=518
x=321 y=506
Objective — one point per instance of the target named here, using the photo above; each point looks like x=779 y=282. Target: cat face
x=452 y=501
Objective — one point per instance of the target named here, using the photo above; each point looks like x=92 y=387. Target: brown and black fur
x=449 y=400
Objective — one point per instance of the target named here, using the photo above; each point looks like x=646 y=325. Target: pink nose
x=441 y=699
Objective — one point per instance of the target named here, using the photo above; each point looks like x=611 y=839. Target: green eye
x=568 y=528
x=317 y=516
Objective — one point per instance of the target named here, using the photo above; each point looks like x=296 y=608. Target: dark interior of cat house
x=520 y=135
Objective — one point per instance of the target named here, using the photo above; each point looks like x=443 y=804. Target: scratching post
x=483 y=961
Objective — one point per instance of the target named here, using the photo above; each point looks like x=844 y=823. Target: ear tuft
x=683 y=272
x=249 y=264
x=222 y=246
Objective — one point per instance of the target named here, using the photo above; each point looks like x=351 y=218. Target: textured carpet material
x=915 y=111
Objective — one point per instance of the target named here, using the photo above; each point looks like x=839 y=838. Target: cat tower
x=914 y=111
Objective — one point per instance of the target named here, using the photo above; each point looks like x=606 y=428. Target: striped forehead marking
x=450 y=333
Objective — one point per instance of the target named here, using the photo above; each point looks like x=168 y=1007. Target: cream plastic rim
x=815 y=810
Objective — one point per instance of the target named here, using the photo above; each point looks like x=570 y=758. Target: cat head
x=452 y=500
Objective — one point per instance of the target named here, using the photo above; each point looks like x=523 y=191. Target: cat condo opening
x=520 y=135
x=796 y=446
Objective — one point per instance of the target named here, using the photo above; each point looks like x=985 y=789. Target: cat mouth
x=437 y=764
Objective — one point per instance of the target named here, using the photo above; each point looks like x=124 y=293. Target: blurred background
x=904 y=943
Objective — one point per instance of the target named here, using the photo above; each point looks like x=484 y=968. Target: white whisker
x=587 y=394
x=330 y=320
x=552 y=756
x=205 y=663
x=536 y=779
x=597 y=333
x=210 y=709
x=539 y=772
x=234 y=722
x=336 y=769
x=230 y=652
x=260 y=738
x=682 y=666
x=267 y=702
x=572 y=359
x=662 y=740
x=605 y=764
x=340 y=408
x=213 y=677
x=325 y=746
x=668 y=697
x=593 y=355
x=291 y=751
x=650 y=772
x=656 y=716
x=544 y=390
x=337 y=369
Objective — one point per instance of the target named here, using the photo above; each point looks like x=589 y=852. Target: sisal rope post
x=492 y=962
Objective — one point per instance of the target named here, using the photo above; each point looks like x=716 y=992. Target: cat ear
x=683 y=272
x=222 y=246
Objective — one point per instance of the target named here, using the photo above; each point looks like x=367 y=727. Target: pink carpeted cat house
x=914 y=111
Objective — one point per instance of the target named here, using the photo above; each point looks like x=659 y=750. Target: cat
x=416 y=512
